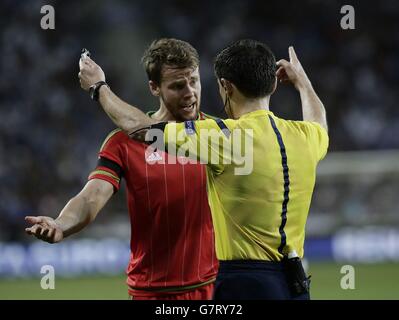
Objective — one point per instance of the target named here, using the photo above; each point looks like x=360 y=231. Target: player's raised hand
x=44 y=228
x=89 y=73
x=292 y=71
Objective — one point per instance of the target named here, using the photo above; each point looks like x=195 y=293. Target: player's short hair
x=168 y=51
x=250 y=65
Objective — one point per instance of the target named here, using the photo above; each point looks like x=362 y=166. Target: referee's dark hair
x=250 y=65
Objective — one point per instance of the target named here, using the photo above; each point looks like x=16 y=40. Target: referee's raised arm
x=293 y=72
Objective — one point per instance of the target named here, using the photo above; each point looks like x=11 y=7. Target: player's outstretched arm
x=293 y=72
x=127 y=117
x=78 y=213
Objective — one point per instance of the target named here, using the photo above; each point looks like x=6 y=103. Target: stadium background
x=50 y=131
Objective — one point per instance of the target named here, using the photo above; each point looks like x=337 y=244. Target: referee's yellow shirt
x=261 y=173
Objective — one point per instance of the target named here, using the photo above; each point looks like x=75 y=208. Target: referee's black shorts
x=253 y=280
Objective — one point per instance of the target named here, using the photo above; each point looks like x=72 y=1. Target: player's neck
x=163 y=114
x=243 y=106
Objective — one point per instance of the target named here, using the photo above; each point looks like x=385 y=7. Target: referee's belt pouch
x=298 y=281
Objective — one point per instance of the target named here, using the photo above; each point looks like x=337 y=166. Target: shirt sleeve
x=317 y=137
x=207 y=141
x=110 y=166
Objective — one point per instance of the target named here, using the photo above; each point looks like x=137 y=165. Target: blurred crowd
x=50 y=131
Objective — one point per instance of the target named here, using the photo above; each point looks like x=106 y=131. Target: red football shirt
x=172 y=240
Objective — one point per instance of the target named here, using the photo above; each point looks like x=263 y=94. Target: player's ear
x=154 y=88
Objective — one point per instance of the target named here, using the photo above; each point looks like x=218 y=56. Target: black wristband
x=93 y=90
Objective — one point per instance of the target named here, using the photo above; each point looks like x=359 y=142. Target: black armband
x=104 y=162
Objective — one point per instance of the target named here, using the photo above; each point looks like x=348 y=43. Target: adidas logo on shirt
x=155 y=156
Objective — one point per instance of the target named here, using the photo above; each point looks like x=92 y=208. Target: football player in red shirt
x=172 y=240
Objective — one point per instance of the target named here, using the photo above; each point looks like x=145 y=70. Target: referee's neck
x=246 y=105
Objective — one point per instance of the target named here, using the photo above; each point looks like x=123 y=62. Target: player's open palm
x=44 y=228
x=292 y=71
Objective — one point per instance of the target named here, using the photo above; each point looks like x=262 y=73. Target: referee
x=259 y=217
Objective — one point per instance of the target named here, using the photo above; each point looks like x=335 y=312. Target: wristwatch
x=93 y=90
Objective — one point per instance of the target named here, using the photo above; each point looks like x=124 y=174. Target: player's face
x=180 y=91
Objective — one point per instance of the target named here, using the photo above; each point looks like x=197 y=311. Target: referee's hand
x=89 y=73
x=44 y=228
x=292 y=71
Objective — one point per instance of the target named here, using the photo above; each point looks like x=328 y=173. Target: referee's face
x=180 y=92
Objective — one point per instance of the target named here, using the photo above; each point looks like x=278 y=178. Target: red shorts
x=201 y=293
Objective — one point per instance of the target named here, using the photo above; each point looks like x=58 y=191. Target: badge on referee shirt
x=190 y=127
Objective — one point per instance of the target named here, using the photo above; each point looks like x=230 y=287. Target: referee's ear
x=227 y=85
x=274 y=86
